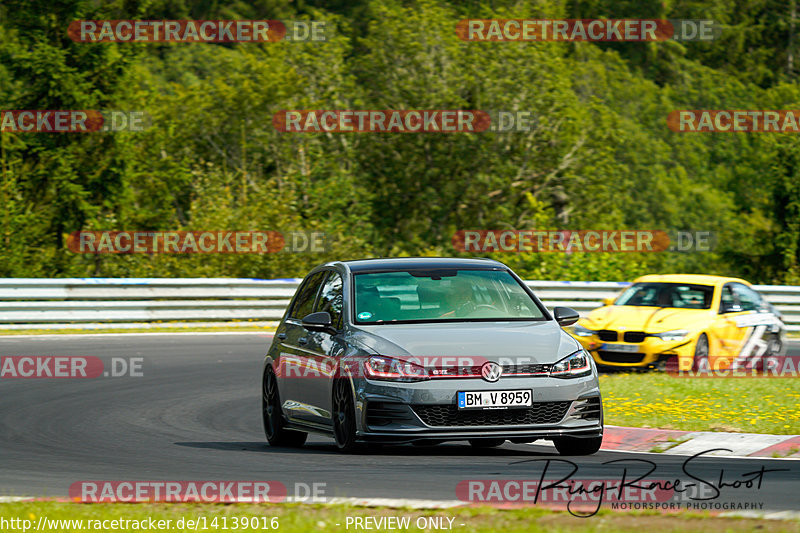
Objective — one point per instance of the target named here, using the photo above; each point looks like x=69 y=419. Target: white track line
x=764 y=515
x=739 y=444
x=717 y=444
x=751 y=457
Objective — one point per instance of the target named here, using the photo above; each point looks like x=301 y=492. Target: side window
x=727 y=300
x=306 y=295
x=748 y=298
x=331 y=299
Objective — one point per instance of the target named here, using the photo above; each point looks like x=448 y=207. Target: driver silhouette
x=458 y=300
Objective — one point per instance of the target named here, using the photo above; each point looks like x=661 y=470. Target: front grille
x=450 y=415
x=588 y=409
x=607 y=335
x=385 y=413
x=634 y=336
x=526 y=369
x=620 y=357
x=508 y=370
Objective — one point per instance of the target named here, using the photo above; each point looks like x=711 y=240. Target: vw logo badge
x=491 y=372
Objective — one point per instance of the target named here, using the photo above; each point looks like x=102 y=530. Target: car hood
x=647 y=319
x=515 y=342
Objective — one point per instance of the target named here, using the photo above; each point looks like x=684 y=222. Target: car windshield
x=678 y=295
x=441 y=296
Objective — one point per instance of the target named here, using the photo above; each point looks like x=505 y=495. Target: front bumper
x=650 y=352
x=406 y=412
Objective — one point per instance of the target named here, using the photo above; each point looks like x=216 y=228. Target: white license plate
x=627 y=348
x=495 y=399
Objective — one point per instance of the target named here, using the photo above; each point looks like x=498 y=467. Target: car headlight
x=573 y=366
x=581 y=331
x=673 y=335
x=381 y=367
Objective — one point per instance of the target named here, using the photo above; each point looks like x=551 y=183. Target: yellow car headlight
x=672 y=335
x=581 y=331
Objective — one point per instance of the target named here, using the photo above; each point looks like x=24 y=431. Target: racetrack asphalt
x=194 y=414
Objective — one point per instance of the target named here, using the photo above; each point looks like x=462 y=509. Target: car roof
x=698 y=279
x=420 y=263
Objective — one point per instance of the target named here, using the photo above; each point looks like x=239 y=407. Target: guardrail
x=44 y=303
x=95 y=300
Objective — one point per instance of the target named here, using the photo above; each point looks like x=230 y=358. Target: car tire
x=669 y=365
x=774 y=346
x=578 y=446
x=344 y=417
x=272 y=414
x=700 y=361
x=486 y=443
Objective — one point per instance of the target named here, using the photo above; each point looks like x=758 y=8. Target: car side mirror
x=565 y=316
x=609 y=301
x=320 y=321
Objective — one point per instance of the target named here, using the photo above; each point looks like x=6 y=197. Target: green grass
x=293 y=518
x=657 y=400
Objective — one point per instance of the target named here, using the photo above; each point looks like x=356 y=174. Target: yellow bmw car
x=698 y=321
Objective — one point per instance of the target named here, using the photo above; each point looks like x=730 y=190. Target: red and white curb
x=673 y=442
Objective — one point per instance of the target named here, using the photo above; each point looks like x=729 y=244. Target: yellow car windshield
x=678 y=295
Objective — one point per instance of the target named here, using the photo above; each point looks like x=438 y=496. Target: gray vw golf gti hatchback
x=426 y=350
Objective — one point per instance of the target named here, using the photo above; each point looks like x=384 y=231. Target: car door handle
x=302 y=340
x=281 y=336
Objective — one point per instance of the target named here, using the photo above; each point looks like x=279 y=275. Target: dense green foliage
x=600 y=157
